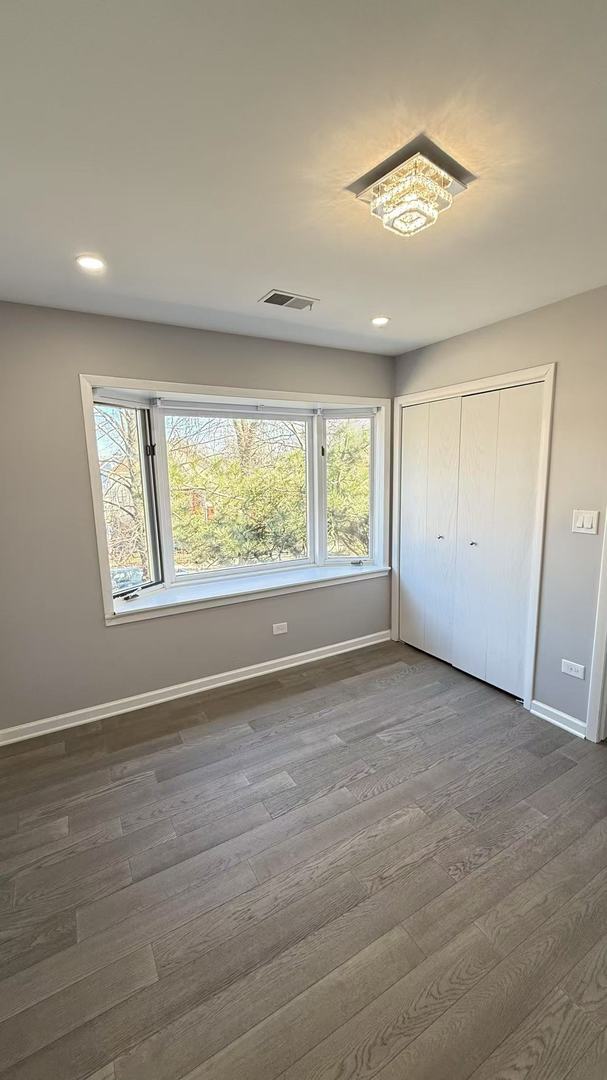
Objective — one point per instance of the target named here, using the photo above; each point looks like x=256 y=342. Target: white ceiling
x=203 y=149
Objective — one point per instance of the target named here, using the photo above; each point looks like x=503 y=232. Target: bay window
x=208 y=500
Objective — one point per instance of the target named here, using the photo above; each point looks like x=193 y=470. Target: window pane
x=348 y=450
x=238 y=491
x=119 y=445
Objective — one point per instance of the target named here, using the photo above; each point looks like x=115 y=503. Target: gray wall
x=574 y=334
x=57 y=654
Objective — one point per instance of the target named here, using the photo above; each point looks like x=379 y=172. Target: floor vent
x=290 y=300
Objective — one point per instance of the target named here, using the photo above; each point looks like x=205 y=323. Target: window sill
x=206 y=594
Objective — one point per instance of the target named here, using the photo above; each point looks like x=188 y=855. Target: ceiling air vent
x=288 y=300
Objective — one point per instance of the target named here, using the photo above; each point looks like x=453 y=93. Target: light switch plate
x=569 y=667
x=280 y=628
x=585 y=521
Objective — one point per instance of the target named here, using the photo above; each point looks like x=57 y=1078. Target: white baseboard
x=561 y=719
x=196 y=686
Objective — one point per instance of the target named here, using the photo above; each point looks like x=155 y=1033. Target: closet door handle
x=473 y=543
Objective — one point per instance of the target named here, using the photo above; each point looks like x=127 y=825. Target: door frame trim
x=544 y=373
x=596 y=715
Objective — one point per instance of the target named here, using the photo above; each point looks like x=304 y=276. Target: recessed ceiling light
x=91 y=264
x=380 y=320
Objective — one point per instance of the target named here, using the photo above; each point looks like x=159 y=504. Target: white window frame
x=374 y=484
x=158 y=414
x=228 y=585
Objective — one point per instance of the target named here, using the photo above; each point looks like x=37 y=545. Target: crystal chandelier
x=411 y=197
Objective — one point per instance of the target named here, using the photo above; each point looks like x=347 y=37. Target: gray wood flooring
x=373 y=866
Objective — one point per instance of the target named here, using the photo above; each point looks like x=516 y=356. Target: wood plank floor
x=373 y=866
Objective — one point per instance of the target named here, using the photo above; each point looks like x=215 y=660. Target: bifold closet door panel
x=516 y=487
x=474 y=562
x=441 y=522
x=414 y=483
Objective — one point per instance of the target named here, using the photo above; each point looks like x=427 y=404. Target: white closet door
x=516 y=483
x=474 y=561
x=441 y=523
x=414 y=481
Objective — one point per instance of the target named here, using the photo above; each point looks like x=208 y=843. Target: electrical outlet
x=280 y=628
x=569 y=668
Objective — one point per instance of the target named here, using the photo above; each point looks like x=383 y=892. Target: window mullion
x=373 y=488
x=163 y=495
x=321 y=489
x=150 y=495
x=311 y=490
x=315 y=509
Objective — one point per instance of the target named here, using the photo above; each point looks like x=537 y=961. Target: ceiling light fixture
x=91 y=264
x=411 y=198
x=412 y=187
x=380 y=320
